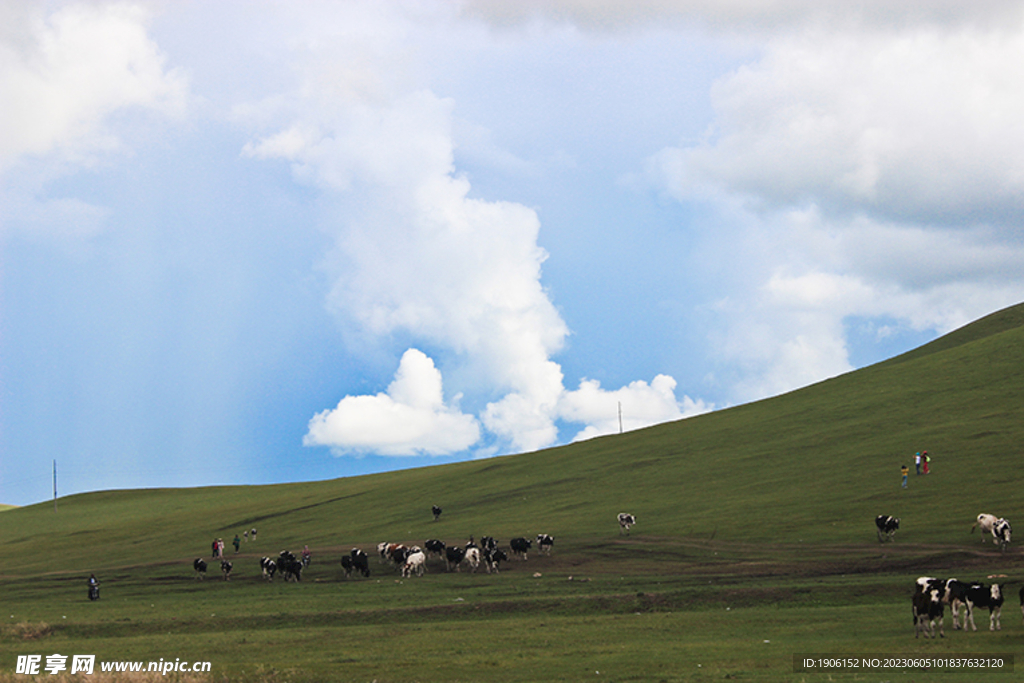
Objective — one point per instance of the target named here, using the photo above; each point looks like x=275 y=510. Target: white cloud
x=410 y=419
x=922 y=126
x=415 y=253
x=865 y=171
x=63 y=74
x=641 y=405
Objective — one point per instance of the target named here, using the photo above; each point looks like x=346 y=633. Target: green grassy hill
x=814 y=466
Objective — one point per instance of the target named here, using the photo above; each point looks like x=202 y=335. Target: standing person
x=237 y=542
x=306 y=555
x=214 y=547
x=917 y=461
x=904 y=470
x=927 y=461
x=246 y=534
x=220 y=548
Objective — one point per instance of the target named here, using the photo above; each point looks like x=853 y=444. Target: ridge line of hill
x=991 y=325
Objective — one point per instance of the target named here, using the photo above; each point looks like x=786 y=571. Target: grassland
x=755 y=542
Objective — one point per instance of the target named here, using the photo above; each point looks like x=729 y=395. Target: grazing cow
x=626 y=520
x=985 y=522
x=494 y=557
x=225 y=568
x=435 y=547
x=980 y=595
x=396 y=553
x=437 y=512
x=519 y=546
x=887 y=526
x=415 y=561
x=955 y=596
x=393 y=553
x=268 y=567
x=927 y=608
x=544 y=543
x=358 y=560
x=199 y=565
x=289 y=566
x=488 y=543
x=472 y=557
x=951 y=591
x=1001 y=533
x=454 y=555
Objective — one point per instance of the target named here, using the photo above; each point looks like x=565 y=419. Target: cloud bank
x=416 y=254
x=870 y=172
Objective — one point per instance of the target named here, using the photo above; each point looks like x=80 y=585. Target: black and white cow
x=956 y=597
x=393 y=553
x=437 y=512
x=980 y=595
x=887 y=526
x=356 y=560
x=268 y=567
x=1001 y=533
x=435 y=547
x=626 y=520
x=984 y=523
x=453 y=556
x=225 y=568
x=927 y=607
x=544 y=543
x=488 y=543
x=199 y=565
x=520 y=546
x=494 y=557
x=398 y=553
x=952 y=592
x=289 y=566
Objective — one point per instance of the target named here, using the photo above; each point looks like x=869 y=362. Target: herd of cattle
x=932 y=595
x=409 y=560
x=930 y=599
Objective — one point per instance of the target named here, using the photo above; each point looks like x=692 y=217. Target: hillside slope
x=813 y=466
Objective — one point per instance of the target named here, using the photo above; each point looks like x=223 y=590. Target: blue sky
x=249 y=243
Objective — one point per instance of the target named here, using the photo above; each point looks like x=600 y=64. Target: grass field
x=755 y=542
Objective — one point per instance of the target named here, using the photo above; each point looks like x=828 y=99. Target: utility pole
x=620 y=417
x=55 y=485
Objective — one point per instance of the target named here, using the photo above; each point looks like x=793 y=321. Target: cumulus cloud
x=639 y=405
x=414 y=252
x=411 y=418
x=919 y=126
x=62 y=74
x=876 y=172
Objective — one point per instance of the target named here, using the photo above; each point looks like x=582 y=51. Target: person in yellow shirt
x=904 y=470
